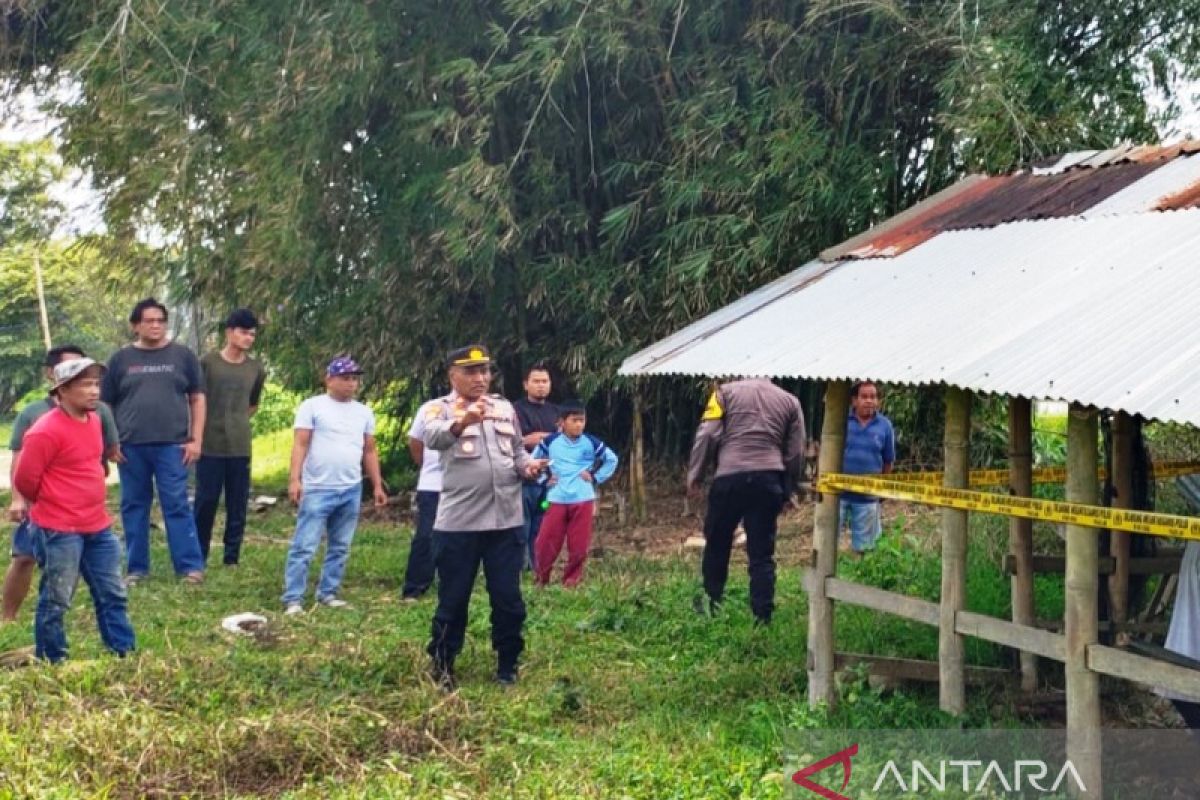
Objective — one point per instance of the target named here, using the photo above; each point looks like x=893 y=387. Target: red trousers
x=569 y=521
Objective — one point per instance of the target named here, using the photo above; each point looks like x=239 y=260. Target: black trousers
x=418 y=574
x=754 y=499
x=1190 y=713
x=232 y=474
x=458 y=557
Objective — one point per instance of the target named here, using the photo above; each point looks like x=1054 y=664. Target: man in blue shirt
x=870 y=450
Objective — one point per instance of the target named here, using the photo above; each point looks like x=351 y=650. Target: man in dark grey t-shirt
x=156 y=390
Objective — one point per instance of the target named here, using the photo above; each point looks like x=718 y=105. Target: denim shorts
x=22 y=543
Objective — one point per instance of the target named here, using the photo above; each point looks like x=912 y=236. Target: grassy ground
x=624 y=691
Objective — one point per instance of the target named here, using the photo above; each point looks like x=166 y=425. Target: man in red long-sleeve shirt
x=61 y=476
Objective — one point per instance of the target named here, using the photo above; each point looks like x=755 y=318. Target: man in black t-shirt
x=156 y=390
x=538 y=418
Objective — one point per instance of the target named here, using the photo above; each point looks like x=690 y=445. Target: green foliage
x=559 y=178
x=27 y=211
x=84 y=306
x=276 y=410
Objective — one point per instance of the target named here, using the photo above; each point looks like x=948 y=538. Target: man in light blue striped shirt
x=870 y=450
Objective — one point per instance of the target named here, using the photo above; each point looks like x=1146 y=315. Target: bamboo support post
x=1081 y=623
x=951 y=655
x=1123 y=430
x=1020 y=531
x=637 y=473
x=824 y=564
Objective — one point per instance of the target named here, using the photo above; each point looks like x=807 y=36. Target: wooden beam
x=1026 y=638
x=1166 y=563
x=824 y=565
x=1141 y=669
x=900 y=605
x=911 y=669
x=1124 y=431
x=951 y=647
x=1082 y=583
x=1020 y=531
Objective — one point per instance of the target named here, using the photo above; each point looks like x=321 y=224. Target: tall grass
x=624 y=691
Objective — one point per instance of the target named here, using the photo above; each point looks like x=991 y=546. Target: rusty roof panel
x=1024 y=196
x=1185 y=198
x=905 y=219
x=1010 y=198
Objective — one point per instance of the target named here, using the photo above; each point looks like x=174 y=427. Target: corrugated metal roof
x=1148 y=193
x=1117 y=155
x=1099 y=310
x=1121 y=180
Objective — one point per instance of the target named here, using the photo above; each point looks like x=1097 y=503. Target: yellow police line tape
x=1000 y=477
x=1025 y=507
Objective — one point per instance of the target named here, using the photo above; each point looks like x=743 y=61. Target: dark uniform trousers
x=459 y=554
x=754 y=499
x=419 y=572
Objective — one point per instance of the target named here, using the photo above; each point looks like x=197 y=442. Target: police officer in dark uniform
x=754 y=431
x=479 y=517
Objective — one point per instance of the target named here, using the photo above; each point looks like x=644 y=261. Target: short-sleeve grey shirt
x=149 y=392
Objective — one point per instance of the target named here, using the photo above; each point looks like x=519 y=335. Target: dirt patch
x=671 y=519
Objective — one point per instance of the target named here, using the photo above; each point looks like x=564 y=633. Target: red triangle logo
x=842 y=757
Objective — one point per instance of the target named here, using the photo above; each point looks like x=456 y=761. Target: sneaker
x=293 y=609
x=410 y=598
x=333 y=602
x=133 y=579
x=506 y=677
x=194 y=578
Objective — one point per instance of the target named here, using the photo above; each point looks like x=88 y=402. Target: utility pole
x=41 y=295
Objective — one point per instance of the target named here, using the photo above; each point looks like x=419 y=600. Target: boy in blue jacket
x=578 y=462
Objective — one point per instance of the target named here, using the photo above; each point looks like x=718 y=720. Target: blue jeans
x=63 y=558
x=332 y=510
x=865 y=525
x=532 y=495
x=161 y=465
x=22 y=541
x=418 y=575
x=214 y=474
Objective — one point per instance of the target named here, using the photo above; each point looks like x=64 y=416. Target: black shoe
x=506 y=677
x=762 y=622
x=443 y=675
x=705 y=606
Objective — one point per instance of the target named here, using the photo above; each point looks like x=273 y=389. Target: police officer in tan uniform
x=480 y=517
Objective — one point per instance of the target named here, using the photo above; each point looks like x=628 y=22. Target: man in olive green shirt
x=234 y=384
x=19 y=576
